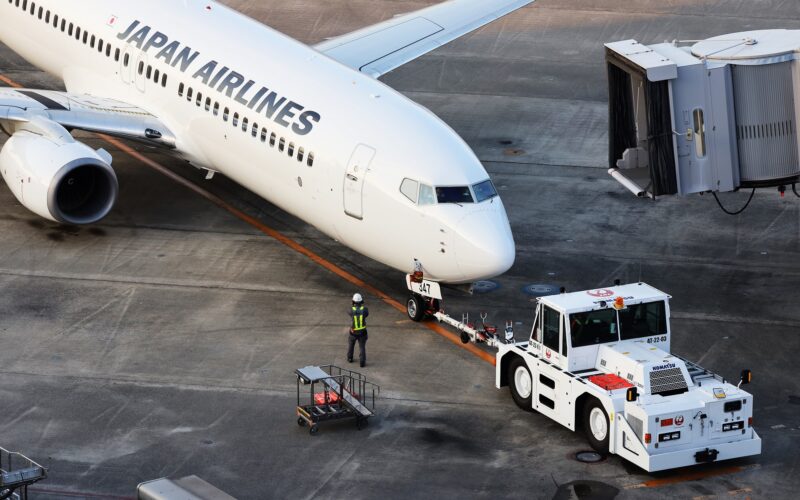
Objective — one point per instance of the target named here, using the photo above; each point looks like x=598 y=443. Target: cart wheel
x=301 y=421
x=313 y=430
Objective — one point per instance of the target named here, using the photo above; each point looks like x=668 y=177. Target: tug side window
x=551 y=320
x=643 y=320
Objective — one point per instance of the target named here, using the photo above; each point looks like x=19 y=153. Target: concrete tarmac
x=162 y=341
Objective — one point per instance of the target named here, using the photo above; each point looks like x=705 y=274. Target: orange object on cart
x=610 y=382
x=319 y=398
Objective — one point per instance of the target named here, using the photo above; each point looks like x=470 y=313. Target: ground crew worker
x=358 y=330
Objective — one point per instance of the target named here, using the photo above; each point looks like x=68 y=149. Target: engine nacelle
x=57 y=177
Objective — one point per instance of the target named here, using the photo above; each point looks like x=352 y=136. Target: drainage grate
x=541 y=289
x=588 y=457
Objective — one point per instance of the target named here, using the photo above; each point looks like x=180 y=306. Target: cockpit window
x=426 y=196
x=459 y=194
x=484 y=191
x=409 y=189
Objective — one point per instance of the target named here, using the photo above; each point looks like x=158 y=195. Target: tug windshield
x=607 y=325
x=594 y=327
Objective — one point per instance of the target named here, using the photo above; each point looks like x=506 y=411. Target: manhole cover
x=588 y=457
x=540 y=289
x=484 y=286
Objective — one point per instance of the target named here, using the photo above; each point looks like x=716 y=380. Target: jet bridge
x=710 y=116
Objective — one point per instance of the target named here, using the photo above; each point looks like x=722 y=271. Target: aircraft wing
x=84 y=112
x=380 y=48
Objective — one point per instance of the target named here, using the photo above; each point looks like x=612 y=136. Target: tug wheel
x=415 y=307
x=313 y=430
x=521 y=384
x=596 y=426
x=301 y=421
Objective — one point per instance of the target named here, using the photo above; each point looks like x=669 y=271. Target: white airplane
x=308 y=128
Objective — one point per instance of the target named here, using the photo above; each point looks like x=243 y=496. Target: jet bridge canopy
x=715 y=116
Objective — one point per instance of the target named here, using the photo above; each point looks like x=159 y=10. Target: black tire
x=301 y=421
x=313 y=430
x=594 y=417
x=524 y=402
x=415 y=308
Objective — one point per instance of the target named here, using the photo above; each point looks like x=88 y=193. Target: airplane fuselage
x=316 y=138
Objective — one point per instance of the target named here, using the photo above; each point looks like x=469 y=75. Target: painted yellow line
x=297 y=247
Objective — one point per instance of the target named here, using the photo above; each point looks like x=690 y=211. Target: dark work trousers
x=361 y=338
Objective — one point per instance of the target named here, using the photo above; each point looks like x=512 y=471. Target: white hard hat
x=357 y=298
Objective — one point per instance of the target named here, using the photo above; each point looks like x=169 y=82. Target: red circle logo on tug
x=601 y=293
x=679 y=420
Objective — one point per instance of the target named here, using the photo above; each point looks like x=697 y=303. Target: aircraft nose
x=486 y=249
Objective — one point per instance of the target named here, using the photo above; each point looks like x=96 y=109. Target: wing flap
x=380 y=48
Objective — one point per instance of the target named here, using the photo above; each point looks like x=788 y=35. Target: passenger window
x=263 y=135
x=149 y=72
x=216 y=108
x=244 y=124
x=108 y=50
x=272 y=139
x=255 y=130
x=164 y=80
x=291 y=149
x=180 y=90
x=551 y=320
x=282 y=145
x=156 y=76
x=409 y=189
x=141 y=68
x=116 y=56
x=208 y=104
x=310 y=161
x=300 y=154
x=85 y=37
x=236 y=119
x=91 y=43
x=700 y=133
x=199 y=99
x=127 y=60
x=426 y=196
x=226 y=114
x=189 y=94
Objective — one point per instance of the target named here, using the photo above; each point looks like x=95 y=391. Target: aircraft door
x=126 y=62
x=140 y=70
x=354 y=179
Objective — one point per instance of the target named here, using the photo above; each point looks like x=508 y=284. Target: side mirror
x=746 y=377
x=632 y=394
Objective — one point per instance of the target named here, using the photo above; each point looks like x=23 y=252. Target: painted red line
x=297 y=247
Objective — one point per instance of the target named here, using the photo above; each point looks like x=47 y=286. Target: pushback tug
x=600 y=360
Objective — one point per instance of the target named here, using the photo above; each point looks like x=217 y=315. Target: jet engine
x=57 y=177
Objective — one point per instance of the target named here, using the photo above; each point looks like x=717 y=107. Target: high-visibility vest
x=358 y=319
